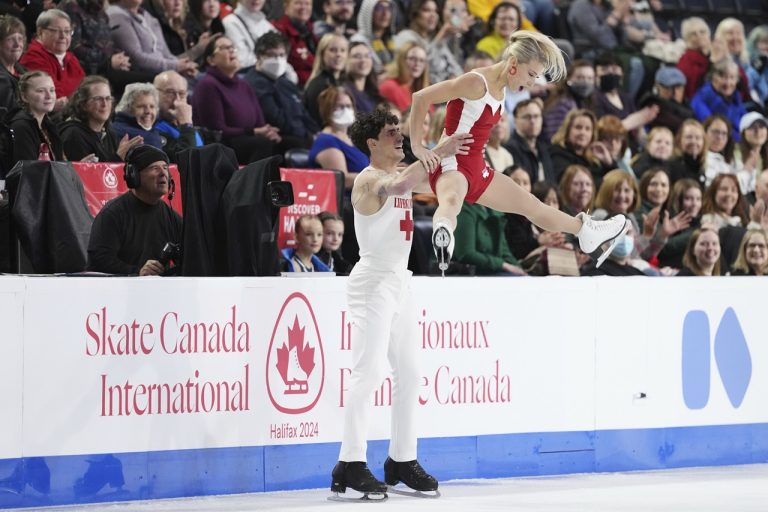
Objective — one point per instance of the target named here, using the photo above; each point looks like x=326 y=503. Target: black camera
x=280 y=193
x=170 y=252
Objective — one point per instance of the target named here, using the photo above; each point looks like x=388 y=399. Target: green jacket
x=480 y=239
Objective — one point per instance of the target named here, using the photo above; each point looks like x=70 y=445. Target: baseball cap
x=751 y=118
x=668 y=76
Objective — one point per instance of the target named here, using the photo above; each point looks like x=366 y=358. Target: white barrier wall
x=127 y=365
x=11 y=350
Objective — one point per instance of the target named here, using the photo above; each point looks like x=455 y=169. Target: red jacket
x=695 y=66
x=302 y=56
x=66 y=79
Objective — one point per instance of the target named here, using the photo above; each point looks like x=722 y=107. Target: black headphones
x=132 y=178
x=130 y=172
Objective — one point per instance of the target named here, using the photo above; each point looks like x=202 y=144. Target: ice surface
x=715 y=489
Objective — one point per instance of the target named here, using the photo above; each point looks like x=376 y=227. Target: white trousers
x=383 y=328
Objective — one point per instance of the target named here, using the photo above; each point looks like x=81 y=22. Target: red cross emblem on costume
x=406 y=225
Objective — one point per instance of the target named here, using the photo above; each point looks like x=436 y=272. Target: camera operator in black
x=131 y=234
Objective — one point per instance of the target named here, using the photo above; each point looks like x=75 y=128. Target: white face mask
x=274 y=66
x=343 y=117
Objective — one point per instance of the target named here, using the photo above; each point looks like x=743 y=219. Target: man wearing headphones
x=130 y=232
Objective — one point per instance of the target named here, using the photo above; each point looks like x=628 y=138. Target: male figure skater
x=379 y=299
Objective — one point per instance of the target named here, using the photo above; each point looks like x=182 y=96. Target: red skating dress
x=476 y=117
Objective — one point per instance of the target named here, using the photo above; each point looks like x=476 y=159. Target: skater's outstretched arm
x=468 y=85
x=372 y=188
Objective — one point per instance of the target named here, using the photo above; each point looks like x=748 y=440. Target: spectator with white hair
x=730 y=33
x=719 y=95
x=695 y=61
x=137 y=112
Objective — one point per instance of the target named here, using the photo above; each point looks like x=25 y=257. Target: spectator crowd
x=662 y=118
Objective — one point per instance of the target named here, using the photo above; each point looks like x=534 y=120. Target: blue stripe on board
x=42 y=481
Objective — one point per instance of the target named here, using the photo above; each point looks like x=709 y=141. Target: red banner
x=314 y=191
x=104 y=181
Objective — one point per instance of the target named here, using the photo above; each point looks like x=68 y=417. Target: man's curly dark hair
x=369 y=126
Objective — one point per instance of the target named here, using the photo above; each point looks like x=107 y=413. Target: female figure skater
x=475 y=103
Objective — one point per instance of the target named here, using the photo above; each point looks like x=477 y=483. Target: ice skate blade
x=414 y=493
x=610 y=248
x=368 y=497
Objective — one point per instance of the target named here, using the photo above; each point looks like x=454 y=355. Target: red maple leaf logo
x=296 y=361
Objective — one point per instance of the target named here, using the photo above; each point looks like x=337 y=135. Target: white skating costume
x=383 y=328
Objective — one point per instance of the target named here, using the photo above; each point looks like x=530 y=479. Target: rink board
x=118 y=389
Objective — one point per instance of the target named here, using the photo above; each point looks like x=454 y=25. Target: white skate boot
x=594 y=233
x=443 y=243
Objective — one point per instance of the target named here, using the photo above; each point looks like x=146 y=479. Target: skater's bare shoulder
x=468 y=85
x=374 y=186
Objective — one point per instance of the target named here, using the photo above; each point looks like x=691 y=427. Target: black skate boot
x=357 y=476
x=411 y=474
x=442 y=242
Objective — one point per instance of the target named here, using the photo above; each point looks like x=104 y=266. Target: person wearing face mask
x=245 y=27
x=618 y=263
x=223 y=101
x=610 y=99
x=296 y=26
x=332 y=148
x=571 y=94
x=620 y=194
x=280 y=98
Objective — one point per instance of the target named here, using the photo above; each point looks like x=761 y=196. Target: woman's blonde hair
x=319 y=65
x=741 y=260
x=560 y=138
x=701 y=160
x=398 y=69
x=436 y=125
x=731 y=24
x=24 y=85
x=528 y=47
x=611 y=182
x=655 y=132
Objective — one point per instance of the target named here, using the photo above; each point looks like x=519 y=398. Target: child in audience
x=333 y=235
x=309 y=240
